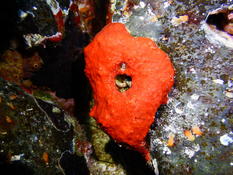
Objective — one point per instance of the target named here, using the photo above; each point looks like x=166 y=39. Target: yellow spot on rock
x=179 y=20
x=8 y=119
x=196 y=130
x=154 y=19
x=45 y=157
x=189 y=135
x=12 y=97
x=171 y=140
x=11 y=106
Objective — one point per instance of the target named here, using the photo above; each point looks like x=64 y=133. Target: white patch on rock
x=54 y=6
x=190 y=105
x=217 y=37
x=56 y=110
x=228 y=94
x=218 y=81
x=142 y=4
x=166 y=4
x=226 y=140
x=166 y=150
x=178 y=111
x=192 y=70
x=16 y=157
x=141 y=18
x=22 y=14
x=195 y=97
x=189 y=152
x=155 y=166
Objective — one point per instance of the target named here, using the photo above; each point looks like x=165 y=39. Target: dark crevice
x=132 y=161
x=222 y=20
x=8 y=167
x=73 y=164
x=8 y=20
x=219 y=20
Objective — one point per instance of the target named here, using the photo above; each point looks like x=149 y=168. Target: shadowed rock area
x=44 y=122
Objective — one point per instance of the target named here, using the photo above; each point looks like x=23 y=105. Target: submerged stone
x=29 y=139
x=202 y=94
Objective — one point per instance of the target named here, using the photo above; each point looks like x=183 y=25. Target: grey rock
x=202 y=93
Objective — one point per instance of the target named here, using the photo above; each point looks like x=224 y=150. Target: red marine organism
x=126 y=115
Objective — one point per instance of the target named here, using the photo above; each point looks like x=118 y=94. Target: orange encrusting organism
x=196 y=130
x=127 y=116
x=189 y=135
x=171 y=140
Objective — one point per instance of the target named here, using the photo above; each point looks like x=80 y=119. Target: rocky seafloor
x=45 y=97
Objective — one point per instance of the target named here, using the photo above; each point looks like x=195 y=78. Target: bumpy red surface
x=127 y=116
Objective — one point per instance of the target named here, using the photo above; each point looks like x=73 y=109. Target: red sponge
x=127 y=115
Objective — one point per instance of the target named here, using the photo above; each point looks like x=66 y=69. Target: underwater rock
x=192 y=134
x=29 y=138
x=40 y=20
x=44 y=20
x=38 y=137
x=126 y=115
x=15 y=68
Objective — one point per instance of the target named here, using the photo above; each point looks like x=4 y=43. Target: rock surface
x=192 y=133
x=37 y=137
x=28 y=136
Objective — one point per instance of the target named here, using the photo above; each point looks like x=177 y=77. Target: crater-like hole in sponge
x=123 y=82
